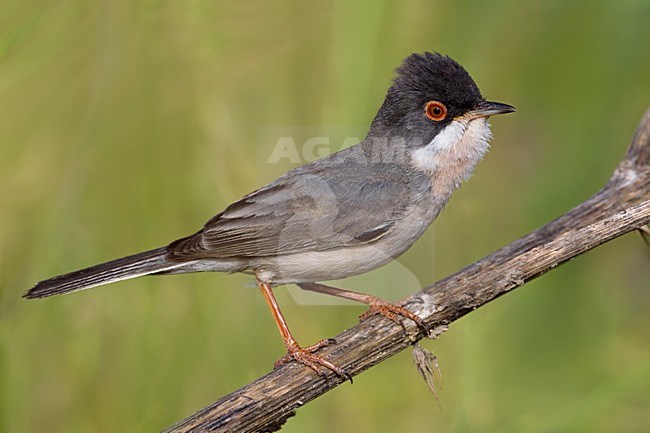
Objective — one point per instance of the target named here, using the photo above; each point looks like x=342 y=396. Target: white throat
x=452 y=155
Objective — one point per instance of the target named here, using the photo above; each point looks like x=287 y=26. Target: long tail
x=149 y=262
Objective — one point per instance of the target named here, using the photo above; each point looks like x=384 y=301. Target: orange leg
x=377 y=305
x=302 y=355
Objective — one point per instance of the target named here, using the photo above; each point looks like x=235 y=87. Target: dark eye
x=435 y=110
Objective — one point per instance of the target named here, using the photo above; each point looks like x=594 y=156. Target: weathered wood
x=623 y=205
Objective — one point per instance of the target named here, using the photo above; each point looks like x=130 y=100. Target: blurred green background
x=127 y=124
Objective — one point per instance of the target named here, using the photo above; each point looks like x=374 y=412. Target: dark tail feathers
x=133 y=266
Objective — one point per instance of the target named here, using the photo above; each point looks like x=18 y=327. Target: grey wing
x=311 y=211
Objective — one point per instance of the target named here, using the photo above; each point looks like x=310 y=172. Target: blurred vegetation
x=127 y=124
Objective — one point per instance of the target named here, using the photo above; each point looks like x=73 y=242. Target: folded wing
x=306 y=210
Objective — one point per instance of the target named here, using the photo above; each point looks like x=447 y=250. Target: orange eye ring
x=435 y=111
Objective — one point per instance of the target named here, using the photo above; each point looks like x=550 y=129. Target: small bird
x=342 y=215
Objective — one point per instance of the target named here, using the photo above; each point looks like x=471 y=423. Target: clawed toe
x=317 y=363
x=309 y=349
x=394 y=312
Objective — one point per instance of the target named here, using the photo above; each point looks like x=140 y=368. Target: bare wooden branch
x=621 y=206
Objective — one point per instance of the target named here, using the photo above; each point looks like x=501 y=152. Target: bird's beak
x=488 y=108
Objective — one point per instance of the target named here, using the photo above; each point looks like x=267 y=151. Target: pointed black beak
x=489 y=108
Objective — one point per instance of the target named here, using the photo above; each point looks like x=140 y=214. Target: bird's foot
x=393 y=312
x=307 y=357
x=310 y=349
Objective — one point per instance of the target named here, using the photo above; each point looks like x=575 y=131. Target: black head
x=428 y=92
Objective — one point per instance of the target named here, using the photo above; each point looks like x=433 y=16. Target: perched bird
x=342 y=215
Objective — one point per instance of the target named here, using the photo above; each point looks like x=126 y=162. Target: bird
x=345 y=214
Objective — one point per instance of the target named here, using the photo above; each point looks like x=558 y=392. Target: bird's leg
x=302 y=355
x=377 y=305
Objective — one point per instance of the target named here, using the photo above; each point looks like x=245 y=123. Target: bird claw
x=310 y=349
x=393 y=312
x=317 y=363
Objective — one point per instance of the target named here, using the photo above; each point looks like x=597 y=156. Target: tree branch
x=623 y=205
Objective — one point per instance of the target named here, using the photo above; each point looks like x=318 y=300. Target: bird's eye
x=435 y=110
